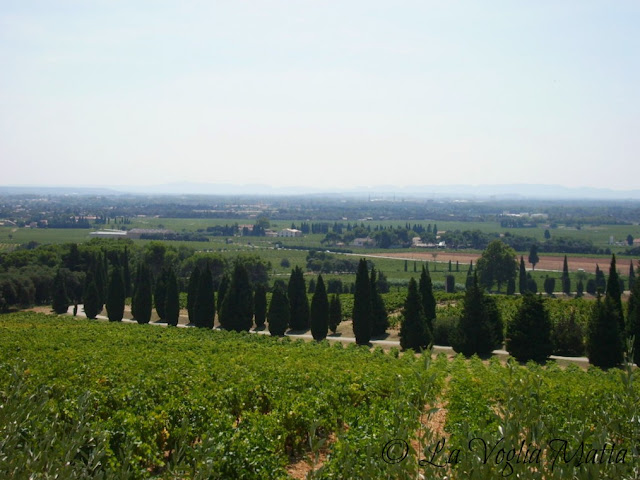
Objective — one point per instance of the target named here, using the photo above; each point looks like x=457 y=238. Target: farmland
x=92 y=399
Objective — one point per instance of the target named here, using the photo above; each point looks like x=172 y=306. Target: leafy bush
x=443 y=330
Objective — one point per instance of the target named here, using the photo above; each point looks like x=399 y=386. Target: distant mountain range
x=386 y=192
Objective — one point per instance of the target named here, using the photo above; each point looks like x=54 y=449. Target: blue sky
x=320 y=93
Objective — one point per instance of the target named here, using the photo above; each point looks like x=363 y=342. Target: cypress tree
x=279 y=313
x=469 y=280
x=60 y=302
x=160 y=294
x=319 y=311
x=566 y=281
x=632 y=276
x=172 y=299
x=604 y=342
x=449 y=265
x=427 y=298
x=414 y=330
x=579 y=289
x=222 y=290
x=204 y=308
x=614 y=293
x=476 y=330
x=312 y=286
x=141 y=303
x=362 y=305
x=633 y=321
x=335 y=313
x=237 y=307
x=380 y=318
x=532 y=285
x=126 y=273
x=260 y=305
x=522 y=277
x=450 y=284
x=298 y=301
x=91 y=298
x=533 y=256
x=529 y=333
x=601 y=283
x=115 y=295
x=192 y=293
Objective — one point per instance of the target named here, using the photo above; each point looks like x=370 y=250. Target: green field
x=87 y=399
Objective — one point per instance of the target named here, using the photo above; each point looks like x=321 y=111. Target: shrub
x=568 y=337
x=443 y=330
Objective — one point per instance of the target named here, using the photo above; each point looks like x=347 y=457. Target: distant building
x=363 y=242
x=139 y=232
x=108 y=234
x=289 y=232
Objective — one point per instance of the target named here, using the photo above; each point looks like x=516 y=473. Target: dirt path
x=547 y=262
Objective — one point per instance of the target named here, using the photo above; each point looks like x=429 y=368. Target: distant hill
x=477 y=192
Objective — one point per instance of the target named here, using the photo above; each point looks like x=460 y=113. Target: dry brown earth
x=547 y=262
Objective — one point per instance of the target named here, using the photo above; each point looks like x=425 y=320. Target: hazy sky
x=322 y=93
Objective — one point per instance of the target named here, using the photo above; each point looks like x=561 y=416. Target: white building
x=108 y=234
x=289 y=232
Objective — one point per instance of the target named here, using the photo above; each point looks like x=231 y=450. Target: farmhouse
x=363 y=242
x=289 y=232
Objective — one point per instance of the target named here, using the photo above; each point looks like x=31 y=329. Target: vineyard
x=87 y=399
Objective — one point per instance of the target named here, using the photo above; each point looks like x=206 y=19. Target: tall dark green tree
x=427 y=298
x=60 y=301
x=335 y=313
x=633 y=321
x=237 y=307
x=91 y=297
x=222 y=290
x=260 y=305
x=141 y=303
x=160 y=294
x=172 y=298
x=192 y=293
x=279 y=312
x=614 y=293
x=522 y=277
x=468 y=283
x=604 y=342
x=126 y=273
x=533 y=256
x=204 y=308
x=298 y=301
x=476 y=330
x=380 y=318
x=566 y=281
x=529 y=333
x=632 y=276
x=115 y=295
x=319 y=311
x=414 y=330
x=362 y=305
x=601 y=282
